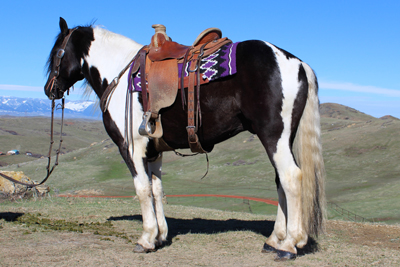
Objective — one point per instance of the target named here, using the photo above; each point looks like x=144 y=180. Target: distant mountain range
x=15 y=106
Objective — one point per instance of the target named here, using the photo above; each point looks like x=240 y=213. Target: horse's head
x=65 y=61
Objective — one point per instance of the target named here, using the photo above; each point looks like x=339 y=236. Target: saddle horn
x=160 y=35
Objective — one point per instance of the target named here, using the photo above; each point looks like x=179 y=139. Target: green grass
x=227 y=204
x=361 y=158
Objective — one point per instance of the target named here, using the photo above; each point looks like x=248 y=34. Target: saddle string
x=58 y=151
x=131 y=119
x=127 y=116
x=200 y=57
x=195 y=154
x=183 y=96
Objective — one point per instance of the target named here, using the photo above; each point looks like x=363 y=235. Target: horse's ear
x=63 y=26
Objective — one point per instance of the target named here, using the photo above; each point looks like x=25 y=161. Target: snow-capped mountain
x=15 y=106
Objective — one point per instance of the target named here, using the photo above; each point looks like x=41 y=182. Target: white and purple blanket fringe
x=220 y=64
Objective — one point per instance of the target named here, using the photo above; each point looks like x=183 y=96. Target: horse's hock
x=9 y=187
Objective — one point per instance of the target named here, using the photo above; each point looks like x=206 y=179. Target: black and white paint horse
x=273 y=94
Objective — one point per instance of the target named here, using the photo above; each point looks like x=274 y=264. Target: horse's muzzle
x=52 y=90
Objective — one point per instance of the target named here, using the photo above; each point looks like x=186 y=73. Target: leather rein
x=57 y=62
x=48 y=169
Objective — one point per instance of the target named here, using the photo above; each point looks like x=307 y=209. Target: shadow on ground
x=206 y=226
x=10 y=216
x=199 y=226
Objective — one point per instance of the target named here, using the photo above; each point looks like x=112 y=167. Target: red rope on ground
x=264 y=200
x=84 y=196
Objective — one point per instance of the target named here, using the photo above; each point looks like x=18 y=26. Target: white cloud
x=359 y=88
x=21 y=88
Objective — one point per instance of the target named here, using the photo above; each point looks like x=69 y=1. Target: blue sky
x=353 y=46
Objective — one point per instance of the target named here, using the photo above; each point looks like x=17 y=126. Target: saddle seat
x=162 y=47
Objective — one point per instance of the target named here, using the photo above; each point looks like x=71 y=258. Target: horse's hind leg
x=279 y=232
x=154 y=171
x=288 y=229
x=290 y=188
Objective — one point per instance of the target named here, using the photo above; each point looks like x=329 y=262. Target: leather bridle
x=57 y=63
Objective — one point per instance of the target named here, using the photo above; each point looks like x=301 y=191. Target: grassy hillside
x=362 y=162
x=33 y=134
x=360 y=152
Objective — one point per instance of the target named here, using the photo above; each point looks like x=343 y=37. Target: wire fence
x=347 y=214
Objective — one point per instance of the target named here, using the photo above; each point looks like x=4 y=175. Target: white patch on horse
x=111 y=47
x=289 y=69
x=107 y=48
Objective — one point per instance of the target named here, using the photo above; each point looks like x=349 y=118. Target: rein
x=57 y=63
x=48 y=169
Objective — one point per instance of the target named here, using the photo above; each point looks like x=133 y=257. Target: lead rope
x=48 y=169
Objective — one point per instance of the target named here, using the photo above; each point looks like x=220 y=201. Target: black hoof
x=140 y=249
x=268 y=249
x=284 y=255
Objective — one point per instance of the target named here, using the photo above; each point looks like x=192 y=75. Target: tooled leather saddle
x=160 y=79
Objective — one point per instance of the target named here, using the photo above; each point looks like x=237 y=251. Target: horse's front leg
x=154 y=171
x=143 y=186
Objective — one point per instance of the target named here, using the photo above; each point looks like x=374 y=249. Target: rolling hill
x=360 y=152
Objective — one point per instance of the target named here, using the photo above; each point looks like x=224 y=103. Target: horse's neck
x=109 y=53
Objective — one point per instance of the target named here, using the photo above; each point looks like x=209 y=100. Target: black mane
x=81 y=38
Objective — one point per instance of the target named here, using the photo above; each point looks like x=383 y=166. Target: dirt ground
x=198 y=238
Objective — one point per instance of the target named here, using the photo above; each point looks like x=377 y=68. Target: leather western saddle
x=158 y=64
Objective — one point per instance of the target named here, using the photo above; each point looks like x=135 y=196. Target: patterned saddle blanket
x=221 y=63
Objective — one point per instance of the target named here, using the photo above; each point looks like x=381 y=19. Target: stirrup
x=151 y=127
